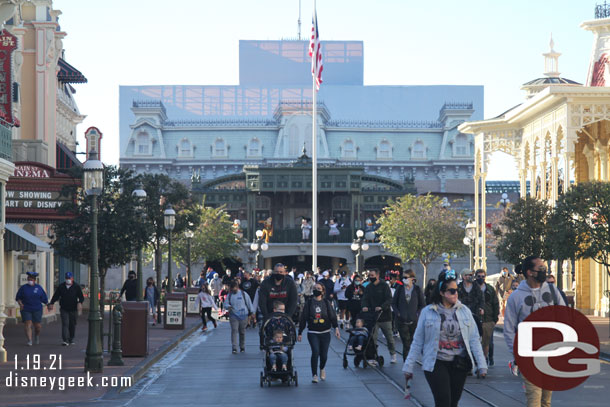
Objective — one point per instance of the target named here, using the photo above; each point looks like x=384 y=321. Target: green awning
x=18 y=240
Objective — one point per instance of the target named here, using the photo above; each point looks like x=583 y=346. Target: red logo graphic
x=557 y=348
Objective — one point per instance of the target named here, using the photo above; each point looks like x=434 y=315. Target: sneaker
x=72 y=343
x=234 y=351
x=205 y=328
x=64 y=343
x=29 y=343
x=514 y=369
x=491 y=362
x=314 y=379
x=396 y=334
x=36 y=339
x=358 y=348
x=393 y=360
x=350 y=348
x=372 y=362
x=323 y=374
x=242 y=350
x=284 y=368
x=215 y=324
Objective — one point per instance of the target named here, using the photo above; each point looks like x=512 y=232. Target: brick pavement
x=160 y=341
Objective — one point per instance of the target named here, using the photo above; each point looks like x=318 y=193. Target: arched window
x=348 y=150
x=384 y=150
x=418 y=152
x=220 y=148
x=143 y=145
x=254 y=148
x=460 y=146
x=185 y=149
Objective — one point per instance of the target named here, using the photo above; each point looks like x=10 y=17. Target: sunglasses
x=451 y=291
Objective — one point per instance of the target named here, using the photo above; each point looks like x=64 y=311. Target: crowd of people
x=448 y=324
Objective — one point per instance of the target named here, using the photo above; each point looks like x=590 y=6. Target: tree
x=212 y=240
x=523 y=231
x=419 y=227
x=119 y=229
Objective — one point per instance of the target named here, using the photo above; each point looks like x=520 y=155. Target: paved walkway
x=72 y=358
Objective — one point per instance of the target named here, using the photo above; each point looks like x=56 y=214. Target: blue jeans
x=281 y=357
x=319 y=344
x=357 y=340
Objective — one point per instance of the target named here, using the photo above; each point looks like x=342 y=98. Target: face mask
x=317 y=293
x=215 y=276
x=278 y=277
x=150 y=283
x=406 y=281
x=468 y=278
x=69 y=282
x=30 y=282
x=541 y=275
x=480 y=280
x=357 y=282
x=372 y=279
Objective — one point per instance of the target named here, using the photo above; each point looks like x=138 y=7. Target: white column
x=483 y=261
x=533 y=181
x=554 y=180
x=477 y=179
x=543 y=189
x=567 y=157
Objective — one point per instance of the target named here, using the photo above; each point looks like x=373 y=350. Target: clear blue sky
x=493 y=43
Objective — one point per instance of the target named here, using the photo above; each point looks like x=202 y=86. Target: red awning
x=69 y=74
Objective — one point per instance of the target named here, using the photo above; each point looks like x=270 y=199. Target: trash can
x=175 y=304
x=134 y=328
x=191 y=301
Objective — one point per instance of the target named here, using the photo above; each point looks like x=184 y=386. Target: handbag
x=462 y=363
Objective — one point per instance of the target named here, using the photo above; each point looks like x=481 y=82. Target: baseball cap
x=32 y=274
x=325 y=273
x=69 y=274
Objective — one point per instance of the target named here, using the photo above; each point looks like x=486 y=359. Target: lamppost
x=259 y=246
x=504 y=201
x=140 y=194
x=358 y=246
x=471 y=234
x=189 y=235
x=93 y=183
x=169 y=221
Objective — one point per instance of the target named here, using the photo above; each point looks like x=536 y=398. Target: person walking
x=202 y=280
x=378 y=298
x=240 y=309
x=471 y=296
x=319 y=317
x=205 y=302
x=130 y=287
x=307 y=285
x=30 y=298
x=502 y=286
x=151 y=294
x=178 y=281
x=329 y=285
x=550 y=279
x=216 y=287
x=491 y=311
x=249 y=284
x=407 y=303
x=429 y=290
x=278 y=287
x=532 y=294
x=339 y=289
x=354 y=294
x=71 y=300
x=449 y=342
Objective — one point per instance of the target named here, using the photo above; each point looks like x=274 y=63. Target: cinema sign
x=34 y=193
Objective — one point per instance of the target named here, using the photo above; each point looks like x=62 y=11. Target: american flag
x=315 y=52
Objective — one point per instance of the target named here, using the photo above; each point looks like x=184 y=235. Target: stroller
x=369 y=350
x=282 y=322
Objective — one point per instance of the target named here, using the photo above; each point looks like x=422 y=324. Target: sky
x=497 y=44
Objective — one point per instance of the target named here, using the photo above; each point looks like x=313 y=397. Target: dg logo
x=557 y=348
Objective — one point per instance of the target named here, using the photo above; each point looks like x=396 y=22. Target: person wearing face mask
x=151 y=294
x=278 y=288
x=502 y=286
x=70 y=298
x=241 y=310
x=447 y=342
x=407 y=303
x=30 y=298
x=339 y=288
x=216 y=287
x=470 y=295
x=378 y=298
x=532 y=294
x=491 y=311
x=130 y=287
x=354 y=294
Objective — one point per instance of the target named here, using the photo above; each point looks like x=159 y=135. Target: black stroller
x=279 y=321
x=369 y=350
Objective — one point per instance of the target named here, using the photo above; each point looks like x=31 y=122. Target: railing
x=602 y=10
x=294 y=235
x=6 y=142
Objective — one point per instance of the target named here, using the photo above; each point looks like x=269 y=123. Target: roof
x=551 y=81
x=18 y=239
x=69 y=74
x=65 y=158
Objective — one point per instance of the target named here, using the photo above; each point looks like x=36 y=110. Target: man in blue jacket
x=30 y=297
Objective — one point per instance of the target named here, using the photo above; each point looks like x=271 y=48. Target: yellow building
x=559 y=135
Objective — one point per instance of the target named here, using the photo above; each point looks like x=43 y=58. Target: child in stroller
x=279 y=338
x=360 y=343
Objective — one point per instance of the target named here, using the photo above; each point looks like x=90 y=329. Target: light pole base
x=94 y=364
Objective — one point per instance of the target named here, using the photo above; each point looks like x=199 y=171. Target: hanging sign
x=8 y=43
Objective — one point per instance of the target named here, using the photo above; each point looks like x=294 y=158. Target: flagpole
x=314 y=173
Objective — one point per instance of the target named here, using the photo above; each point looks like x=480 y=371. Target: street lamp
x=504 y=201
x=189 y=235
x=358 y=246
x=445 y=203
x=471 y=234
x=140 y=194
x=93 y=184
x=169 y=221
x=259 y=246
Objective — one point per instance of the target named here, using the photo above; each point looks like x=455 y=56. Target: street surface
x=201 y=371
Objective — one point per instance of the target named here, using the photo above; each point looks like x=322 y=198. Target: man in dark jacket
x=130 y=287
x=407 y=303
x=277 y=287
x=249 y=284
x=491 y=309
x=378 y=298
x=70 y=298
x=329 y=285
x=471 y=296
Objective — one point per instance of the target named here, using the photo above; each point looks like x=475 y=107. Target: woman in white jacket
x=206 y=302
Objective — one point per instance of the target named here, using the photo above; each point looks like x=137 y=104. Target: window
x=254 y=148
x=418 y=151
x=384 y=150
x=460 y=146
x=219 y=148
x=185 y=149
x=348 y=149
x=143 y=144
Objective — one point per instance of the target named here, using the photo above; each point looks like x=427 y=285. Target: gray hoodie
x=522 y=302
